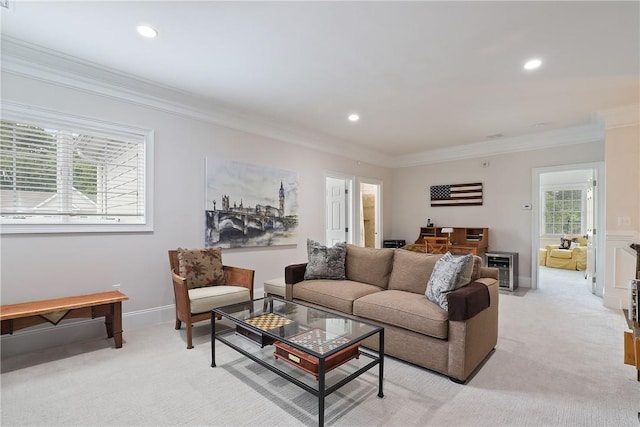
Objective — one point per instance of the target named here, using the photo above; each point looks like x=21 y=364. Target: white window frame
x=55 y=120
x=562 y=187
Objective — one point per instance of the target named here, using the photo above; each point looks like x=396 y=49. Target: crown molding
x=35 y=62
x=53 y=67
x=540 y=140
x=628 y=115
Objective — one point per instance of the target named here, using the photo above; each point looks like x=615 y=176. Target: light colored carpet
x=558 y=362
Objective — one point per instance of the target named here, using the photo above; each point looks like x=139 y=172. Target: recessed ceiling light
x=147 y=31
x=532 y=64
x=354 y=117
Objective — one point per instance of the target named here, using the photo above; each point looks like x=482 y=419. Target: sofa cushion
x=201 y=267
x=448 y=274
x=561 y=253
x=411 y=271
x=405 y=310
x=336 y=294
x=369 y=265
x=210 y=297
x=324 y=262
x=475 y=271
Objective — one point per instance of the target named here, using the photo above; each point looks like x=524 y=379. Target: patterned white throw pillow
x=448 y=274
x=325 y=263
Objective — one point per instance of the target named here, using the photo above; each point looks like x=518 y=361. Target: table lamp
x=447 y=230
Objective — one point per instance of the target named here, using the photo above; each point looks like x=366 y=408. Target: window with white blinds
x=62 y=174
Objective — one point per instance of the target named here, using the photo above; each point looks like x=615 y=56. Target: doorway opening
x=569 y=206
x=370 y=214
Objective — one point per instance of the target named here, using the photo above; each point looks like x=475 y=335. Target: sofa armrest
x=578 y=250
x=489 y=272
x=470 y=341
x=467 y=301
x=552 y=247
x=293 y=274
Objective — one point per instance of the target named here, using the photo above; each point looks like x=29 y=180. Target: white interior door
x=590 y=273
x=337 y=215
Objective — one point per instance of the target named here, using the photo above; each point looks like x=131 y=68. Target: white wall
x=623 y=210
x=506 y=186
x=45 y=266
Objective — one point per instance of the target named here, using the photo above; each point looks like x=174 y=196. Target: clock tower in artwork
x=281 y=197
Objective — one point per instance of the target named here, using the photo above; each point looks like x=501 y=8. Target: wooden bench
x=26 y=314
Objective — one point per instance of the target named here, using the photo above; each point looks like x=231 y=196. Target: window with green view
x=563 y=211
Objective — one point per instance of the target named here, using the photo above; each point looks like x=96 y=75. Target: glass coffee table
x=314 y=349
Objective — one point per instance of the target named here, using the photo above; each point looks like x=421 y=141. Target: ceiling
x=421 y=75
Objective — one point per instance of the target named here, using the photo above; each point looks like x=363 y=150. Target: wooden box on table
x=315 y=339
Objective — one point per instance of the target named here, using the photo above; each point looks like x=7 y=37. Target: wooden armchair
x=195 y=305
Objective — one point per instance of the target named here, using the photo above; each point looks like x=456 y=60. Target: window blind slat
x=51 y=170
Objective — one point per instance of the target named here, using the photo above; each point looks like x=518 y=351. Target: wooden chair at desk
x=436 y=245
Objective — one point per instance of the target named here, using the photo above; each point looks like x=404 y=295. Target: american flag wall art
x=457 y=195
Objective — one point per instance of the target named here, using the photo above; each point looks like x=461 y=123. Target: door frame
x=599 y=170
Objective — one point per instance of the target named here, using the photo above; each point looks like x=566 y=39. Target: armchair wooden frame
x=235 y=276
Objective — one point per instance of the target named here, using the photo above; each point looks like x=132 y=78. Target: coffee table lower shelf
x=309 y=363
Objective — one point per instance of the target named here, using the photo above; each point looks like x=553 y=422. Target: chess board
x=268 y=321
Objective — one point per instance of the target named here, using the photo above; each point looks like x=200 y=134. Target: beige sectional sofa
x=387 y=287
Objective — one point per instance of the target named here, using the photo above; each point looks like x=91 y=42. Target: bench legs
x=112 y=313
x=114 y=324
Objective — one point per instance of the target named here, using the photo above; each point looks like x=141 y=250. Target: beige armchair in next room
x=574 y=258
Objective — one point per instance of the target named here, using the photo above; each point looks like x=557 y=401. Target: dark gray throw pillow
x=325 y=263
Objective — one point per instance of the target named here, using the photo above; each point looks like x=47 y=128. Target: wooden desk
x=26 y=314
x=464 y=240
x=463 y=250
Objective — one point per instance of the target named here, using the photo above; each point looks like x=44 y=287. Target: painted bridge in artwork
x=233 y=225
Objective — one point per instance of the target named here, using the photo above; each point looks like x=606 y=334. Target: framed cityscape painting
x=249 y=205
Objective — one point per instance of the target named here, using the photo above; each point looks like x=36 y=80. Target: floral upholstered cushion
x=201 y=267
x=325 y=263
x=449 y=273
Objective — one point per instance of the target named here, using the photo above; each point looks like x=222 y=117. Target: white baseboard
x=524 y=281
x=45 y=336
